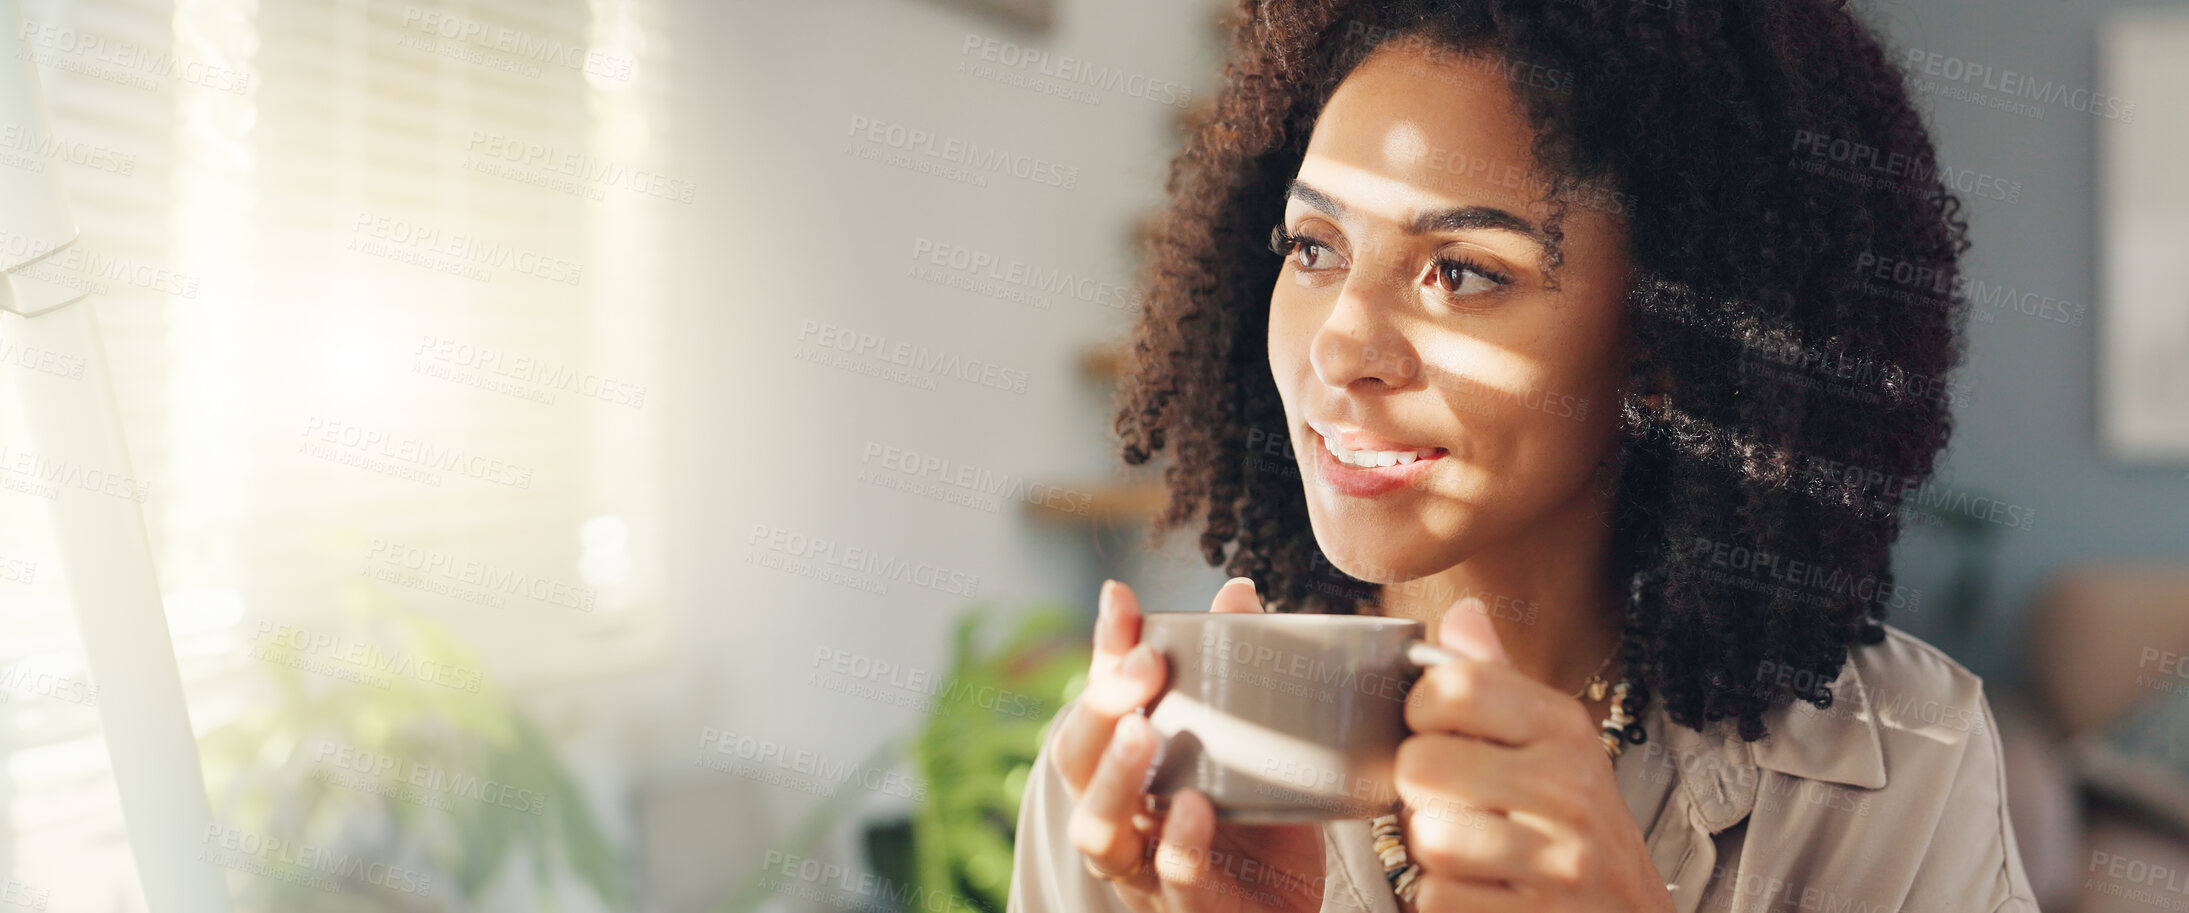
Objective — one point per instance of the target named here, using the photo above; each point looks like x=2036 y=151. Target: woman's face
x=1415 y=326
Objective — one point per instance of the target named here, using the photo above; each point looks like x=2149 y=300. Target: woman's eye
x=1461 y=278
x=1304 y=252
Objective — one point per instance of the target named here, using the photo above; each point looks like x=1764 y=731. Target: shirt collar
x=1838 y=744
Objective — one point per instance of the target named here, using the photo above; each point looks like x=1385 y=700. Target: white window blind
x=374 y=282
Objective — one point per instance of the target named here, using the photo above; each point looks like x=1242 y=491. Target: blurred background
x=653 y=454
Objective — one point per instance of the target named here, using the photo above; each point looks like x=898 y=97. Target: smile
x=1366 y=451
x=1371 y=467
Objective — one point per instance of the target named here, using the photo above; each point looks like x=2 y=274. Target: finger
x=1101 y=826
x=1182 y=859
x=1440 y=893
x=1236 y=595
x=1461 y=778
x=1117 y=625
x=1467 y=628
x=1086 y=732
x=1472 y=843
x=1490 y=701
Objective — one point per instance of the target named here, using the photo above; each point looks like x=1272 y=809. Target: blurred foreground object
x=97 y=522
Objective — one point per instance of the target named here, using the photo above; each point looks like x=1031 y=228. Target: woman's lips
x=1366 y=481
x=1357 y=439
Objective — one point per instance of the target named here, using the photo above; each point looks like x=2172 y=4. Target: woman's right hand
x=1104 y=749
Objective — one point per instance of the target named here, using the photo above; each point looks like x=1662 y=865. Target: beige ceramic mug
x=1281 y=717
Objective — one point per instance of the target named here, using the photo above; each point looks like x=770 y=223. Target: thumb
x=1467 y=629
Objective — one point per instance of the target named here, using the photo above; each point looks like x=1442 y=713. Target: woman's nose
x=1358 y=342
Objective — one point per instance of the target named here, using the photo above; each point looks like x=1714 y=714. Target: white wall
x=787 y=227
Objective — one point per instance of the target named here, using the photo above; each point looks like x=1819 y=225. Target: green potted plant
x=425 y=768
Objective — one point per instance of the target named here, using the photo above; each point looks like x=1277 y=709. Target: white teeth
x=1371 y=459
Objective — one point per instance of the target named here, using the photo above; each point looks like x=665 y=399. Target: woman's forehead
x=1409 y=130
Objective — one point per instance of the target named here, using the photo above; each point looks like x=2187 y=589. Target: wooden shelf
x=1128 y=503
x=1104 y=361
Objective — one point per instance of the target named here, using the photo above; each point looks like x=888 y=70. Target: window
x=374 y=285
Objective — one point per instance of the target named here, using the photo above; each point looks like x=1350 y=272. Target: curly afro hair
x=1779 y=189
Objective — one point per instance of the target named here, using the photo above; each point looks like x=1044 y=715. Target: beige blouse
x=1891 y=799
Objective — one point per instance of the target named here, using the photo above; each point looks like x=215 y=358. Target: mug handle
x=1425 y=654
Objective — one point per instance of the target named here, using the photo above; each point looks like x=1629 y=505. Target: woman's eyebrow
x=1315 y=198
x=1457 y=218
x=1466 y=218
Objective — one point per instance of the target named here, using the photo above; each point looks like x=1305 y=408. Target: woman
x=1579 y=348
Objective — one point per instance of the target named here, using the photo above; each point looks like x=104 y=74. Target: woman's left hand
x=1510 y=801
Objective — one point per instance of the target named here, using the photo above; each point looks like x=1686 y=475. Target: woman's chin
x=1382 y=565
x=1373 y=547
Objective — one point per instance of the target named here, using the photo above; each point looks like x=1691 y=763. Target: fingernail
x=1249 y=581
x=1102 y=600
